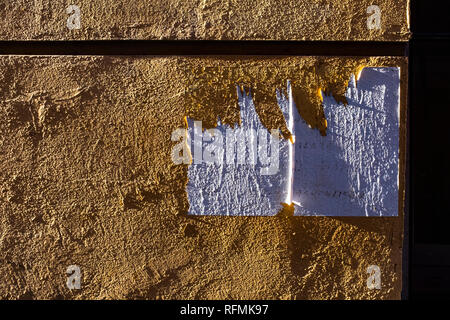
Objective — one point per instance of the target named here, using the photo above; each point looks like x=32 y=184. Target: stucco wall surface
x=87 y=179
x=362 y=20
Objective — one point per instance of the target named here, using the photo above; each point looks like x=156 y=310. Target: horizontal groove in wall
x=204 y=47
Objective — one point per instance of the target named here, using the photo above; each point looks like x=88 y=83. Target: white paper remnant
x=353 y=170
x=250 y=175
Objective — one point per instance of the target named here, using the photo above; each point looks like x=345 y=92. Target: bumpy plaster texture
x=205 y=19
x=86 y=178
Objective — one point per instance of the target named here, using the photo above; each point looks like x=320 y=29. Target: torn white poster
x=352 y=171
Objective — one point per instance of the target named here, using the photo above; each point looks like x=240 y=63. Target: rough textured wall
x=205 y=19
x=86 y=178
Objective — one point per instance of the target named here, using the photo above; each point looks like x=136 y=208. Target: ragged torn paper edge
x=253 y=194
